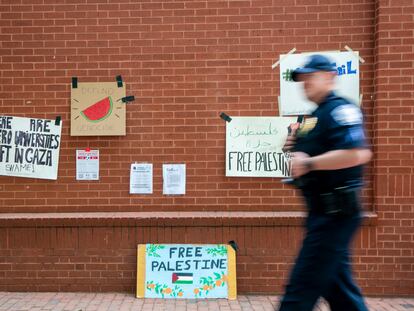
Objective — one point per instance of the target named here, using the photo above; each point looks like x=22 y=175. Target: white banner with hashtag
x=292 y=97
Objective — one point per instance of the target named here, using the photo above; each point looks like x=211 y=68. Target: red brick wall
x=98 y=253
x=185 y=62
x=394 y=141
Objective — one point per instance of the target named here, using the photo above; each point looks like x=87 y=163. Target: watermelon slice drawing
x=98 y=111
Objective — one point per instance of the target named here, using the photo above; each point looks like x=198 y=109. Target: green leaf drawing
x=153 y=248
x=209 y=283
x=164 y=290
x=220 y=250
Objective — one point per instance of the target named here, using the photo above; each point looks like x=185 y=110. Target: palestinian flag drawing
x=182 y=278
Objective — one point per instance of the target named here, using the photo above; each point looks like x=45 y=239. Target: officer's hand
x=291 y=139
x=289 y=143
x=299 y=167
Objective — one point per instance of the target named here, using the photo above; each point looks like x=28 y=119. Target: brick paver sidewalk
x=123 y=302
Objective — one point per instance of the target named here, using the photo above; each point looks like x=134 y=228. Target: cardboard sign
x=254 y=146
x=292 y=97
x=29 y=147
x=186 y=271
x=97 y=109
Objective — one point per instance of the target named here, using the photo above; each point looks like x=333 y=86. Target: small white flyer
x=141 y=178
x=173 y=176
x=87 y=164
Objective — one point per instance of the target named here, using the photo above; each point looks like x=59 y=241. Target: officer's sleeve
x=345 y=128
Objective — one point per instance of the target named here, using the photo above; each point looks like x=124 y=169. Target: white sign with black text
x=254 y=146
x=29 y=147
x=141 y=178
x=173 y=176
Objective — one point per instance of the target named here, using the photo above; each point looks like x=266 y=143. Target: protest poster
x=97 y=109
x=29 y=147
x=186 y=271
x=254 y=146
x=292 y=99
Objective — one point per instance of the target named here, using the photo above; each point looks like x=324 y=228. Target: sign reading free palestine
x=186 y=271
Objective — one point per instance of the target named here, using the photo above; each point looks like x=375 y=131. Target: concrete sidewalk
x=123 y=302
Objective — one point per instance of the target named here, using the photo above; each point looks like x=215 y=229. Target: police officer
x=328 y=151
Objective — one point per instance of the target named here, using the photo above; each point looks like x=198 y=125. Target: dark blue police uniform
x=323 y=268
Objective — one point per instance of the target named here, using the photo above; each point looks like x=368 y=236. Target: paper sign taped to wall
x=140 y=181
x=174 y=179
x=87 y=164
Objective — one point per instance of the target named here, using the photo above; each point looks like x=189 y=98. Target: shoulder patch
x=348 y=114
x=307 y=126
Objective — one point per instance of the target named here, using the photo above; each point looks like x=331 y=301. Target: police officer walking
x=328 y=152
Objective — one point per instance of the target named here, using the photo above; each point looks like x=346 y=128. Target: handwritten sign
x=29 y=147
x=292 y=97
x=186 y=271
x=254 y=146
x=97 y=109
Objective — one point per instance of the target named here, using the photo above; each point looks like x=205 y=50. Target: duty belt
x=339 y=201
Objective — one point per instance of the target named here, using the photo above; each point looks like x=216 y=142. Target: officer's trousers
x=323 y=268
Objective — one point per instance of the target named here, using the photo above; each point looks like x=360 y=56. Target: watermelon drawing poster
x=97 y=109
x=29 y=147
x=186 y=271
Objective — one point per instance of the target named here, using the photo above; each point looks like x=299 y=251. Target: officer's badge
x=306 y=126
x=347 y=115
